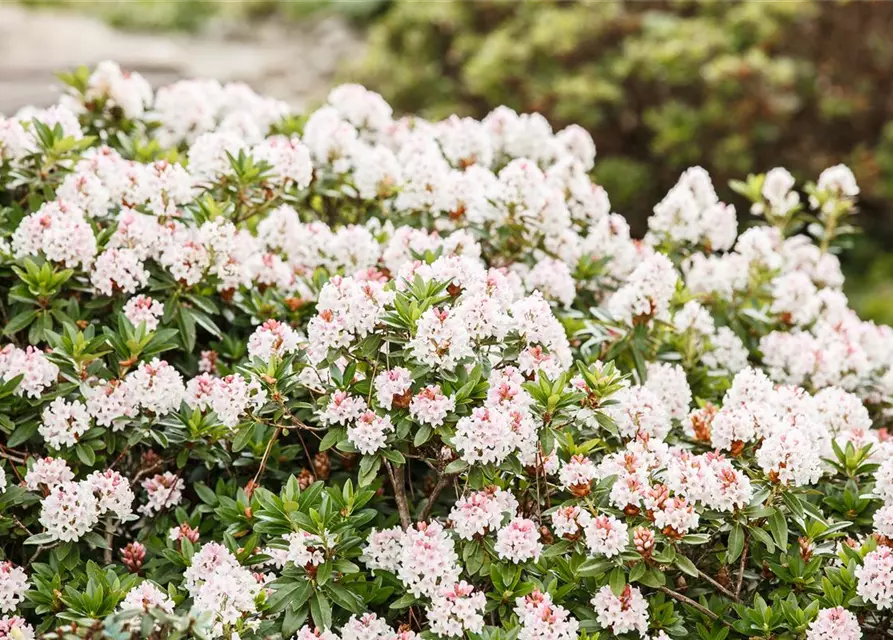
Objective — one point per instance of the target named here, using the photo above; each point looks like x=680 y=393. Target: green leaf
x=778 y=525
x=638 y=570
x=456 y=466
x=207 y=496
x=617 y=580
x=403 y=602
x=22 y=433
x=368 y=469
x=186 y=324
x=85 y=454
x=685 y=565
x=19 y=322
x=321 y=611
x=736 y=543
x=422 y=435
x=40 y=538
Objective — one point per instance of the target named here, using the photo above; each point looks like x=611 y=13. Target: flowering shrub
x=356 y=377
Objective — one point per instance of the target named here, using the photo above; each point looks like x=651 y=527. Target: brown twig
x=396 y=474
x=18 y=522
x=5 y=453
x=718 y=586
x=120 y=457
x=443 y=479
x=142 y=473
x=686 y=600
x=263 y=461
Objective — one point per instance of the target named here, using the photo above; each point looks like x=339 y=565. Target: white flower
x=69 y=511
x=64 y=423
x=875 y=578
x=628 y=612
x=13 y=584
x=519 y=541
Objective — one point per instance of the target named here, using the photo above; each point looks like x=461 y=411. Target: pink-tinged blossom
x=481 y=512
x=128 y=91
x=639 y=411
x=647 y=293
x=791 y=458
x=366 y=627
x=48 y=472
x=883 y=481
x=304 y=549
x=229 y=397
x=519 y=541
x=186 y=258
x=119 y=270
x=676 y=517
x=621 y=614
x=314 y=633
x=668 y=382
x=60 y=232
x=568 y=522
x=164 y=490
x=144 y=309
x=272 y=339
x=145 y=597
x=219 y=585
x=542 y=619
x=110 y=401
x=383 y=549
x=85 y=191
x=875 y=578
x=15 y=628
x=441 y=339
x=391 y=386
x=577 y=474
x=428 y=560
x=289 y=160
x=369 y=432
x=13 y=584
x=606 y=536
x=457 y=609
x=430 y=406
x=343 y=408
x=484 y=437
x=36 y=370
x=63 y=423
x=69 y=511
x=113 y=493
x=834 y=624
x=157 y=386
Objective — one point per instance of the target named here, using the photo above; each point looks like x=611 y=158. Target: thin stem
x=396 y=474
x=18 y=522
x=5 y=453
x=741 y=568
x=694 y=605
x=718 y=586
x=443 y=479
x=263 y=461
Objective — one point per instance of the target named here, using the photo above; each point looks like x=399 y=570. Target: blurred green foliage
x=191 y=15
x=736 y=87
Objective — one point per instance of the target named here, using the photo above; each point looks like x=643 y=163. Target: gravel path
x=294 y=62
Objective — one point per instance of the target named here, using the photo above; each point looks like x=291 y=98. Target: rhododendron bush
x=351 y=376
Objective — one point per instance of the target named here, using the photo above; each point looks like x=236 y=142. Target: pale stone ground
x=295 y=63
